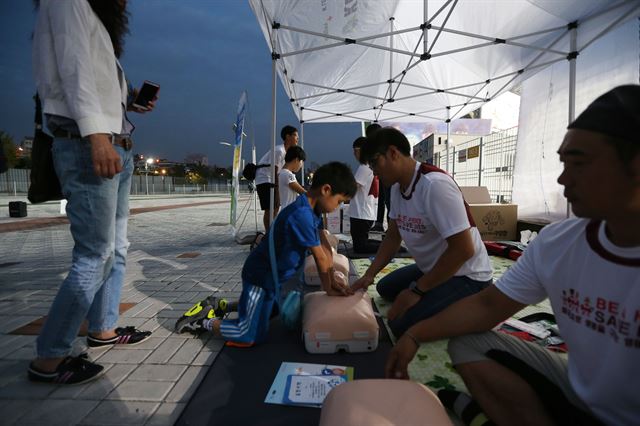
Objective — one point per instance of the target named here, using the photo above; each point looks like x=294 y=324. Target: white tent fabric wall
x=360 y=60
x=611 y=61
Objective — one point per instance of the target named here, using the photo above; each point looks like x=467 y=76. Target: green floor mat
x=432 y=365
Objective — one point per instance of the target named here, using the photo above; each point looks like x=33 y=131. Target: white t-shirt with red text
x=432 y=210
x=594 y=289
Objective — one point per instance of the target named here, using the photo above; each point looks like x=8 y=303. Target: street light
x=224 y=143
x=146 y=172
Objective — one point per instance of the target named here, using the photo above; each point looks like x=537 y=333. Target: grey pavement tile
x=134 y=311
x=187 y=384
x=168 y=313
x=204 y=358
x=187 y=352
x=24 y=389
x=13 y=410
x=163 y=353
x=120 y=413
x=124 y=356
x=134 y=390
x=128 y=321
x=10 y=322
x=103 y=386
x=24 y=353
x=58 y=412
x=158 y=373
x=150 y=343
x=13 y=371
x=166 y=415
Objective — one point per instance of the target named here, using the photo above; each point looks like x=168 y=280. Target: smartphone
x=147 y=92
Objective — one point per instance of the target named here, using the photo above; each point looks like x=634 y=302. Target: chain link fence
x=16 y=181
x=485 y=161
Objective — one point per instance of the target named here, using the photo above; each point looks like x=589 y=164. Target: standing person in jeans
x=363 y=206
x=76 y=44
x=289 y=135
x=429 y=214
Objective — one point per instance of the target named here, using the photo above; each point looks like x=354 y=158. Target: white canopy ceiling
x=409 y=60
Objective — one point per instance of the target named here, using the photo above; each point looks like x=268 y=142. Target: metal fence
x=16 y=181
x=486 y=161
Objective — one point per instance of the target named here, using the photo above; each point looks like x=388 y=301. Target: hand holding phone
x=147 y=93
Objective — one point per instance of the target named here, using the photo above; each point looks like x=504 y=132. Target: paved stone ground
x=147 y=384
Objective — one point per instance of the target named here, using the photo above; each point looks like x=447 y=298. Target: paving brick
x=124 y=356
x=187 y=352
x=165 y=351
x=61 y=412
x=187 y=384
x=160 y=373
x=120 y=413
x=135 y=390
x=13 y=410
x=204 y=358
x=166 y=415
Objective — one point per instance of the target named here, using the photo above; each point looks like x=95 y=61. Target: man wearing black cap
x=588 y=267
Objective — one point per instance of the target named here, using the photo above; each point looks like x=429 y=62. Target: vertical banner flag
x=237 y=154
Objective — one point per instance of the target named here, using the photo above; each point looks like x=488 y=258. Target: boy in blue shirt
x=296 y=230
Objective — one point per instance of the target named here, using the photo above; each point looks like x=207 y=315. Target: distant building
x=197 y=158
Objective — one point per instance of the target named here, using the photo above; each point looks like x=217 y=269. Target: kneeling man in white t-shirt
x=429 y=214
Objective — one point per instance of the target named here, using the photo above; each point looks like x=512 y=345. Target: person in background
x=589 y=268
x=383 y=191
x=429 y=214
x=363 y=206
x=76 y=46
x=289 y=135
x=288 y=185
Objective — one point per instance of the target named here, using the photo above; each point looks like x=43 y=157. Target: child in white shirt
x=288 y=186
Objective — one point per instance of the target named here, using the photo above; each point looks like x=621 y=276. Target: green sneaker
x=209 y=308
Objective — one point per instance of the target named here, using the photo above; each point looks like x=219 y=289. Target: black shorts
x=264 y=193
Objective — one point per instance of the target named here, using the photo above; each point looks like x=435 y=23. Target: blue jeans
x=434 y=301
x=98 y=209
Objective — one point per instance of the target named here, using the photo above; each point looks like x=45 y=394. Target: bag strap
x=272 y=252
x=38 y=117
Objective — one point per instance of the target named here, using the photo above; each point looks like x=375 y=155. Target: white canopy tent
x=410 y=60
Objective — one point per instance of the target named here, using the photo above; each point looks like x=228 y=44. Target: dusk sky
x=203 y=53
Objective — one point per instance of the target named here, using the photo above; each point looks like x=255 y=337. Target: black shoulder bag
x=45 y=185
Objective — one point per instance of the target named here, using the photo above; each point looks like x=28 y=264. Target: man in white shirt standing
x=430 y=215
x=288 y=185
x=289 y=135
x=363 y=207
x=588 y=267
x=76 y=44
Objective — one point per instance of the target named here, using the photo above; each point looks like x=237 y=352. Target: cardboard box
x=496 y=222
x=337 y=222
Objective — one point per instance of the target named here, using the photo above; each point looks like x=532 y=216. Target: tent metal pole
x=273 y=141
x=425 y=36
x=448 y=134
x=573 y=42
x=302 y=144
x=391 y=57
